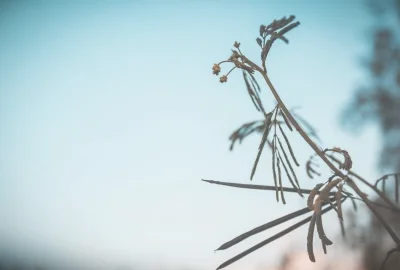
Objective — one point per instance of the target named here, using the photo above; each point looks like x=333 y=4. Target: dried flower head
x=223 y=78
x=347 y=163
x=216 y=69
x=236 y=45
x=234 y=57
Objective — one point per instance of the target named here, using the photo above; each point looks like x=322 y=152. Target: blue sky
x=110 y=116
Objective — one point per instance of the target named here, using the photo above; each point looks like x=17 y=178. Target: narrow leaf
x=255 y=83
x=286 y=120
x=353 y=201
x=257 y=187
x=259 y=42
x=273 y=168
x=310 y=239
x=288 y=28
x=251 y=92
x=270 y=239
x=342 y=229
x=261 y=147
x=311 y=130
x=324 y=248
x=288 y=145
x=290 y=167
x=320 y=227
x=290 y=178
x=263 y=227
x=280 y=180
x=310 y=200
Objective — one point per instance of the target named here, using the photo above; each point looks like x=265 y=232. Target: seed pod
x=310 y=237
x=324 y=195
x=320 y=229
x=314 y=191
x=348 y=163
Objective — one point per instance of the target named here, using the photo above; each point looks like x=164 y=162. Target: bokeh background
x=110 y=117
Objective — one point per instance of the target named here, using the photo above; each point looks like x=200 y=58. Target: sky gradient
x=110 y=116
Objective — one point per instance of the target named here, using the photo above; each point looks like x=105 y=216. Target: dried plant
x=330 y=193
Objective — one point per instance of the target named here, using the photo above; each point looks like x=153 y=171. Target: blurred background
x=110 y=117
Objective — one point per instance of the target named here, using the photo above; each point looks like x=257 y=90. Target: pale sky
x=110 y=116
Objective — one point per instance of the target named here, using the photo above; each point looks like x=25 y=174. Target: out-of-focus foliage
x=378 y=99
x=373 y=240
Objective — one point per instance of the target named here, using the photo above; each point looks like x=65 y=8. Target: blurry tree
x=378 y=101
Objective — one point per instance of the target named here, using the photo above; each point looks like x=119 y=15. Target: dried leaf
x=290 y=178
x=310 y=170
x=280 y=180
x=286 y=120
x=252 y=93
x=347 y=164
x=288 y=28
x=246 y=130
x=289 y=146
x=262 y=143
x=258 y=187
x=263 y=227
x=342 y=229
x=265 y=50
x=310 y=238
x=259 y=42
x=338 y=197
x=383 y=179
x=273 y=168
x=321 y=232
x=324 y=248
x=270 y=239
x=353 y=201
x=311 y=131
x=310 y=199
x=324 y=195
x=254 y=82
x=262 y=30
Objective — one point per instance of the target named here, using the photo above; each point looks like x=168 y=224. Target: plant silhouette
x=330 y=193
